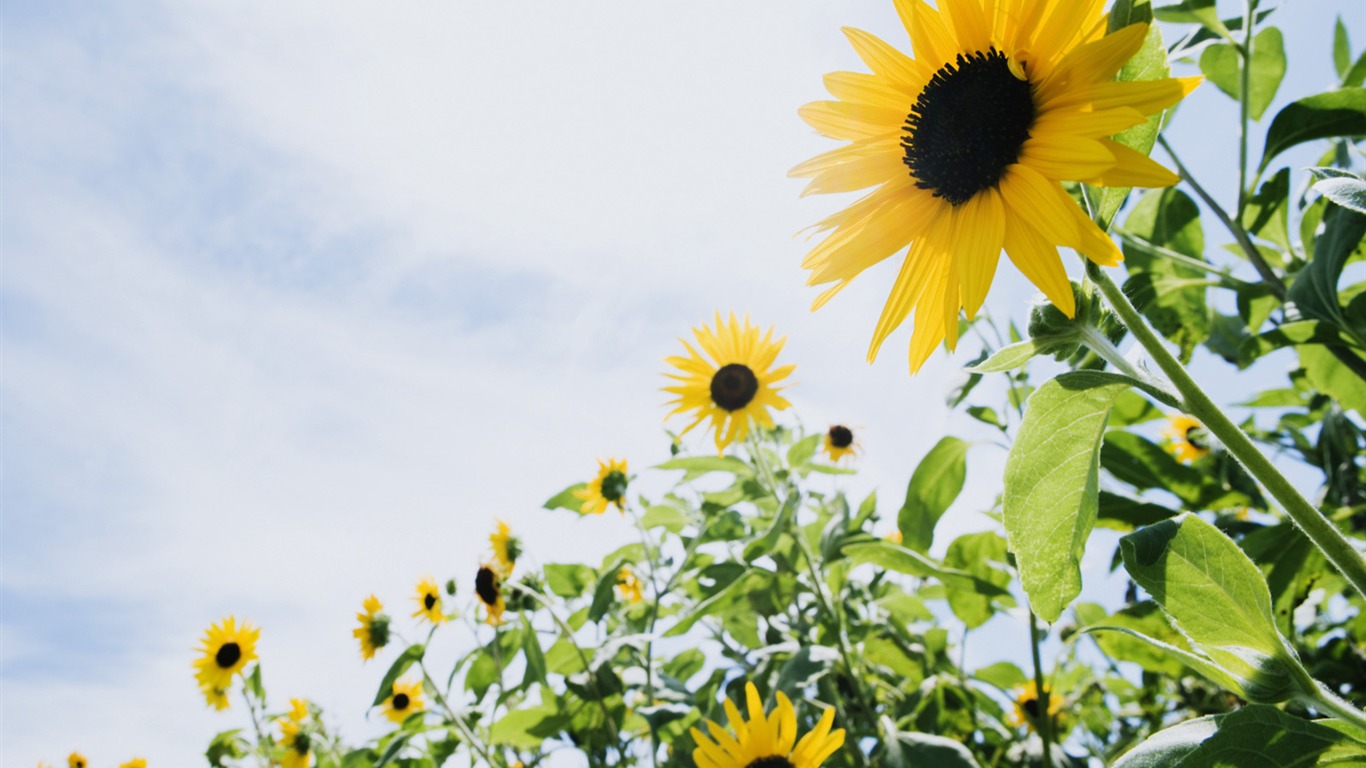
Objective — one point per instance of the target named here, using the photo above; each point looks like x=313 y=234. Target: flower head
x=405 y=700
x=137 y=762
x=506 y=548
x=733 y=384
x=373 y=632
x=766 y=741
x=225 y=650
x=1027 y=710
x=839 y=442
x=76 y=760
x=214 y=696
x=967 y=145
x=608 y=488
x=428 y=599
x=629 y=586
x=488 y=588
x=293 y=738
x=1189 y=438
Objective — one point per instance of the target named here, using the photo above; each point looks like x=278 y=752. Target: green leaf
x=1255 y=736
x=802 y=450
x=1143 y=618
x=885 y=554
x=1328 y=375
x=1322 y=116
x=1051 y=484
x=568 y=580
x=782 y=523
x=1121 y=513
x=1171 y=295
x=1222 y=65
x=1002 y=674
x=1315 y=290
x=1150 y=63
x=663 y=516
x=410 y=655
x=1342 y=49
x=1217 y=597
x=535 y=657
x=1008 y=358
x=566 y=499
x=1126 y=12
x=696 y=466
x=936 y=482
x=605 y=591
x=983 y=555
x=527 y=728
x=399 y=741
x=225 y=748
x=1357 y=74
x=1265 y=213
x=919 y=750
x=254 y=685
x=1343 y=188
x=1200 y=12
x=722 y=596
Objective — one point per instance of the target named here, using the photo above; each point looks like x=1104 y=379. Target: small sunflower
x=968 y=144
x=373 y=632
x=733 y=384
x=1027 y=711
x=214 y=696
x=294 y=740
x=226 y=650
x=839 y=442
x=76 y=760
x=1189 y=438
x=137 y=762
x=488 y=588
x=630 y=588
x=608 y=488
x=506 y=548
x=405 y=700
x=766 y=741
x=428 y=599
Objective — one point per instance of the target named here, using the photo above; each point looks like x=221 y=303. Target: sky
x=298 y=298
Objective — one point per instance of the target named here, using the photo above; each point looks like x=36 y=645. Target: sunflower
x=629 y=586
x=735 y=387
x=967 y=144
x=214 y=696
x=226 y=650
x=1189 y=438
x=488 y=588
x=137 y=762
x=1027 y=706
x=76 y=760
x=373 y=632
x=839 y=442
x=609 y=487
x=293 y=739
x=506 y=548
x=405 y=700
x=766 y=741
x=428 y=599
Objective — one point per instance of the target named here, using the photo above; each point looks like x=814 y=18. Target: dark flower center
x=734 y=386
x=400 y=701
x=1196 y=437
x=1031 y=707
x=228 y=655
x=614 y=485
x=428 y=601
x=967 y=125
x=772 y=761
x=301 y=742
x=841 y=437
x=379 y=631
x=486 y=585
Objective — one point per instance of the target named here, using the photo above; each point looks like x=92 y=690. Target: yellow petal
x=863 y=88
x=1032 y=198
x=1092 y=124
x=1133 y=169
x=895 y=67
x=1065 y=157
x=980 y=224
x=964 y=18
x=1038 y=260
x=839 y=120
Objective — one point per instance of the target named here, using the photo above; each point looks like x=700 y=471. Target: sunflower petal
x=1133 y=169
x=1066 y=157
x=1038 y=260
x=981 y=225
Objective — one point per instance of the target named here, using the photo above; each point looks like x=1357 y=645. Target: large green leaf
x=1143 y=618
x=1171 y=295
x=919 y=750
x=936 y=482
x=1322 y=116
x=1217 y=597
x=1222 y=65
x=696 y=466
x=895 y=557
x=1051 y=484
x=1150 y=63
x=1315 y=290
x=1255 y=736
x=983 y=555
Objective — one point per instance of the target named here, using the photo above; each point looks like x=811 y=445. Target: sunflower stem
x=1244 y=100
x=455 y=720
x=255 y=721
x=1225 y=279
x=1345 y=557
x=1327 y=702
x=1045 y=723
x=653 y=556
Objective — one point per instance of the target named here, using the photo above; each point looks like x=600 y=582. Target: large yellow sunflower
x=766 y=740
x=506 y=548
x=1189 y=438
x=373 y=632
x=428 y=599
x=488 y=588
x=226 y=649
x=294 y=740
x=967 y=144
x=405 y=700
x=608 y=488
x=733 y=384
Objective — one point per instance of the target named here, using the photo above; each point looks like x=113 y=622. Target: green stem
x=255 y=721
x=1330 y=703
x=653 y=557
x=1244 y=100
x=1339 y=551
x=1225 y=279
x=1043 y=721
x=460 y=725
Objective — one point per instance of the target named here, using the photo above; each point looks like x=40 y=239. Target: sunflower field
x=771 y=614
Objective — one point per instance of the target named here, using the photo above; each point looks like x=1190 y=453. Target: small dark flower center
x=379 y=631
x=1031 y=707
x=772 y=761
x=301 y=744
x=614 y=485
x=734 y=386
x=428 y=601
x=1196 y=437
x=401 y=701
x=841 y=437
x=228 y=655
x=486 y=586
x=967 y=125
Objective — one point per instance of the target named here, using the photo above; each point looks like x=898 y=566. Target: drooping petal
x=1065 y=157
x=1038 y=260
x=1133 y=169
x=981 y=225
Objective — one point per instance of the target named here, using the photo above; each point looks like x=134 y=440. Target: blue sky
x=297 y=298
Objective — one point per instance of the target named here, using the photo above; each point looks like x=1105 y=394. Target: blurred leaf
x=920 y=750
x=781 y=524
x=885 y=554
x=1218 y=599
x=706 y=606
x=936 y=482
x=254 y=685
x=1133 y=408
x=1200 y=12
x=225 y=747
x=687 y=663
x=1328 y=375
x=359 y=758
x=1150 y=63
x=696 y=466
x=1264 y=215
x=802 y=450
x=1051 y=484
x=483 y=672
x=1342 y=49
x=566 y=499
x=1126 y=12
x=527 y=728
x=669 y=518
x=390 y=752
x=531 y=651
x=568 y=580
x=1221 y=64
x=983 y=555
x=1121 y=513
x=410 y=655
x=605 y=591
x=1292 y=334
x=1322 y=116
x=1256 y=735
x=1357 y=74
x=1138 y=461
x=1144 y=618
x=801 y=671
x=1345 y=189
x=1002 y=674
